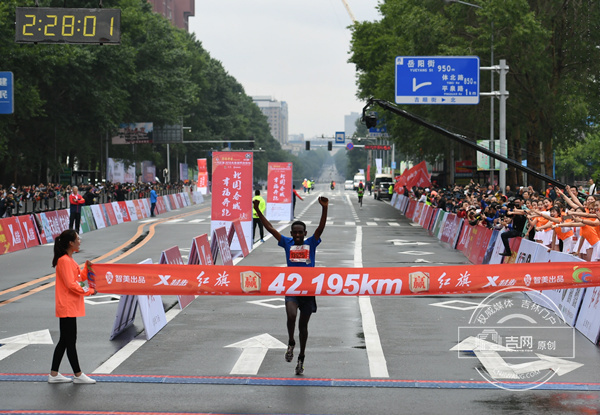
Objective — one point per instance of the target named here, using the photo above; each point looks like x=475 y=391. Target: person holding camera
x=515 y=225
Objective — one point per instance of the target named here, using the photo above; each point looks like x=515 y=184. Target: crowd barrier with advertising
x=26 y=231
x=580 y=307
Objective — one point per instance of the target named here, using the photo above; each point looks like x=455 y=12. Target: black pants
x=506 y=236
x=68 y=338
x=152 y=207
x=260 y=228
x=75 y=218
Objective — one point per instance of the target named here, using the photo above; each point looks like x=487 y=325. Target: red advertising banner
x=232 y=191
x=63 y=219
x=143 y=279
x=30 y=232
x=410 y=211
x=232 y=186
x=110 y=214
x=162 y=206
x=200 y=252
x=236 y=229
x=11 y=236
x=53 y=223
x=451 y=229
x=220 y=244
x=139 y=209
x=279 y=191
x=173 y=256
x=202 y=183
x=279 y=181
x=124 y=212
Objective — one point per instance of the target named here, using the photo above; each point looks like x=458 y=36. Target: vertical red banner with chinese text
x=279 y=191
x=232 y=193
x=202 y=176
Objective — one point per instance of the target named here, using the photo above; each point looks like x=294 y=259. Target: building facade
x=350 y=123
x=176 y=11
x=277 y=116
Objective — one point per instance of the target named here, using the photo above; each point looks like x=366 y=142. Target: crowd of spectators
x=25 y=199
x=566 y=220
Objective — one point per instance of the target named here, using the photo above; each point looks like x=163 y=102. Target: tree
x=550 y=46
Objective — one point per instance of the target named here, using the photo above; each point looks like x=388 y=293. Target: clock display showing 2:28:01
x=64 y=25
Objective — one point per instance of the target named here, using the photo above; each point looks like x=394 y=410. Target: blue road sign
x=340 y=137
x=440 y=80
x=7 y=103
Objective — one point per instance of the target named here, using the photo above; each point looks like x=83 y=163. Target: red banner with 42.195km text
x=161 y=279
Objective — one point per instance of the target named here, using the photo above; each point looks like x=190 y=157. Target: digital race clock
x=61 y=25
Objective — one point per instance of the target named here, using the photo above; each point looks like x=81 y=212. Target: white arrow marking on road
x=13 y=344
x=496 y=366
x=403 y=243
x=254 y=351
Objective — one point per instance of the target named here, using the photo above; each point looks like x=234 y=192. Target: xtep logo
x=581 y=274
x=164 y=280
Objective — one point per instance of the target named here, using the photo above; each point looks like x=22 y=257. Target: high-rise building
x=350 y=123
x=277 y=116
x=176 y=11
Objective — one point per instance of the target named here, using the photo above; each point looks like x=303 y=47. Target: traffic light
x=307 y=144
x=329 y=146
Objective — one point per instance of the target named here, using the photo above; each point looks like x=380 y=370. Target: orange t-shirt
x=562 y=235
x=68 y=293
x=589 y=233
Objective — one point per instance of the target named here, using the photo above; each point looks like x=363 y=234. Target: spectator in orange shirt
x=69 y=295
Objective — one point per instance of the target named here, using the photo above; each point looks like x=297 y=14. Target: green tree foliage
x=550 y=47
x=582 y=160
x=70 y=98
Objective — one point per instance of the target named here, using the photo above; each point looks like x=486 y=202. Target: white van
x=359 y=177
x=381 y=186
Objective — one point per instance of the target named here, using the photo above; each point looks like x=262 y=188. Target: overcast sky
x=294 y=51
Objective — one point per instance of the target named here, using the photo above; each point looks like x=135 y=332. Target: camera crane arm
x=370 y=120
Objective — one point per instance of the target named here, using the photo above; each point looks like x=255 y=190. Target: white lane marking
x=393 y=224
x=377 y=362
x=197 y=220
x=371 y=223
x=123 y=354
x=349 y=223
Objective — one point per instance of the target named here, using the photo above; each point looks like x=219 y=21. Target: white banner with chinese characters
x=279 y=191
x=232 y=193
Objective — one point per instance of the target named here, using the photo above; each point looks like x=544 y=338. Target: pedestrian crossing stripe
x=282 y=223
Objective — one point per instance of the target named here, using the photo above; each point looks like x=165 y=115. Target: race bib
x=300 y=253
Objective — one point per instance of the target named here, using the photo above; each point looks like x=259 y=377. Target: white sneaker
x=59 y=379
x=83 y=378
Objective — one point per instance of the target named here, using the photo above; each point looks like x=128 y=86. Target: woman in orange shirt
x=69 y=295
